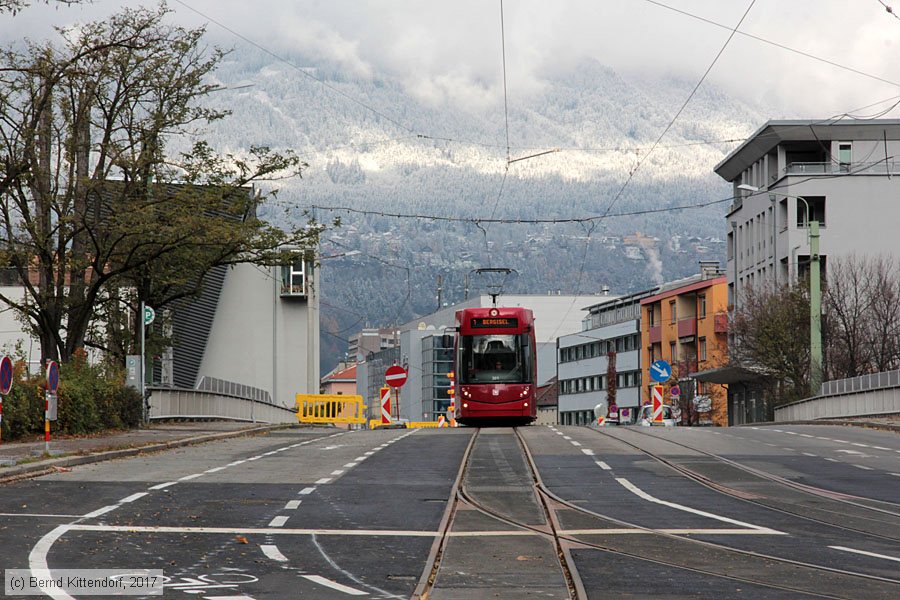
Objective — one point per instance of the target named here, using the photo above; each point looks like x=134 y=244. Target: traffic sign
x=52 y=377
x=660 y=371
x=395 y=376
x=6 y=375
x=149 y=315
x=386 y=405
x=657 y=404
x=675 y=391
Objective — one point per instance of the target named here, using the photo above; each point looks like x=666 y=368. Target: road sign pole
x=6 y=381
x=143 y=382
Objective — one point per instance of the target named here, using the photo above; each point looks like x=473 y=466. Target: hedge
x=90 y=398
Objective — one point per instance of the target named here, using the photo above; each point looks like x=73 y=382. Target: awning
x=728 y=375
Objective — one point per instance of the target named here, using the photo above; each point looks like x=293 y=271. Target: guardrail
x=867 y=395
x=176 y=403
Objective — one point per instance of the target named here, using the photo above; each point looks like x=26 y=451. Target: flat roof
x=773 y=133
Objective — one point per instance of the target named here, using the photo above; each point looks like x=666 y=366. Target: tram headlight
x=524 y=392
x=465 y=405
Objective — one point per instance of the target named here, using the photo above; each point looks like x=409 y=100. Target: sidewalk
x=25 y=459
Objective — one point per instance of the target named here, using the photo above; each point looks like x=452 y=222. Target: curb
x=43 y=467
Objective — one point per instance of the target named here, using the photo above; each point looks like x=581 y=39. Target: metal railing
x=176 y=403
x=875 y=394
x=828 y=168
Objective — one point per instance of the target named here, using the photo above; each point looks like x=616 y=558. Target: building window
x=651 y=316
x=816 y=210
x=293 y=278
x=701 y=306
x=844 y=149
x=702 y=348
x=673 y=310
x=673 y=352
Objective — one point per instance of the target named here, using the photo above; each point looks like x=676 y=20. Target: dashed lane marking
x=189 y=477
x=865 y=553
x=323 y=481
x=278 y=522
x=133 y=497
x=306 y=490
x=335 y=585
x=215 y=470
x=809 y=454
x=162 y=486
x=101 y=511
x=337 y=472
x=350 y=465
x=574 y=443
x=272 y=551
x=602 y=465
x=832 y=460
x=588 y=451
x=292 y=505
x=863 y=467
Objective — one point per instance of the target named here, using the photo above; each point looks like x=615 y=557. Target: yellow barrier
x=330 y=408
x=374 y=423
x=421 y=424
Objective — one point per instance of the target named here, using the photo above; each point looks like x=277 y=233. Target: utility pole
x=440 y=289
x=815 y=311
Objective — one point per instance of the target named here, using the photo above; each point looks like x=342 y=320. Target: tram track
x=821 y=579
x=840 y=516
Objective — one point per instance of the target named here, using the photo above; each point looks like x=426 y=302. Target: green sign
x=149 y=315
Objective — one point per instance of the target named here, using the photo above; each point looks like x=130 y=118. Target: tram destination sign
x=494 y=322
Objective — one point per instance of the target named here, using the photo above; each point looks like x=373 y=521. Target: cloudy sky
x=450 y=51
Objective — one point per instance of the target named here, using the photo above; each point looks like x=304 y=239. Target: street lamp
x=815 y=290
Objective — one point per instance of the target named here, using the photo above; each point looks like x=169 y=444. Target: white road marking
x=768 y=444
x=323 y=481
x=37 y=561
x=278 y=522
x=272 y=551
x=791 y=432
x=860 y=445
x=854 y=452
x=350 y=465
x=602 y=465
x=778 y=430
x=841 y=441
x=49 y=516
x=565 y=437
x=306 y=490
x=370 y=453
x=865 y=468
x=574 y=443
x=215 y=470
x=832 y=460
x=100 y=511
x=335 y=585
x=254 y=458
x=189 y=477
x=671 y=531
x=237 y=462
x=133 y=497
x=863 y=552
x=292 y=505
x=894 y=474
x=338 y=472
x=806 y=435
x=588 y=451
x=809 y=454
x=162 y=485
x=644 y=495
x=788 y=449
x=818 y=437
x=880 y=448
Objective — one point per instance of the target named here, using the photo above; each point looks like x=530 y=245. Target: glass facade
x=437 y=362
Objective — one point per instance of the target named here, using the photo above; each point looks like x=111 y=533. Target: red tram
x=496 y=366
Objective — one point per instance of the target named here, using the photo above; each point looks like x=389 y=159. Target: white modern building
x=842 y=174
x=611 y=326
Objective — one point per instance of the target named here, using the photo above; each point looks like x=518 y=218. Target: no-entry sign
x=6 y=375
x=395 y=376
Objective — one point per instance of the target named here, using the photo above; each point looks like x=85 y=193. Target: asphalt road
x=767 y=512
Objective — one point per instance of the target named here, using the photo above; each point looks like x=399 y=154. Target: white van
x=645 y=416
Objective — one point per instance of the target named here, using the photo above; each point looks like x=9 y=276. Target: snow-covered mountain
x=375 y=144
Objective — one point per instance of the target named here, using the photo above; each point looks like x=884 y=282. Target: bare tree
x=883 y=336
x=847 y=305
x=771 y=334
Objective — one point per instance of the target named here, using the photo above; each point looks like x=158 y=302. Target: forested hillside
x=389 y=151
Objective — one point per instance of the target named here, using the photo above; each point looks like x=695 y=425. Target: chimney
x=604 y=290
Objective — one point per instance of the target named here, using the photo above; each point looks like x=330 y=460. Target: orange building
x=685 y=324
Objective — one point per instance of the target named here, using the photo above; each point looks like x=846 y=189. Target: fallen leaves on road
x=242 y=540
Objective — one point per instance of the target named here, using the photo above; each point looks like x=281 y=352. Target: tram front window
x=495 y=359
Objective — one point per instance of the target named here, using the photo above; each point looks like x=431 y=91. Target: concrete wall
x=263 y=340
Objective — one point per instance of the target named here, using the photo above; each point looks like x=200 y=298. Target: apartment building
x=611 y=328
x=841 y=174
x=370 y=341
x=685 y=323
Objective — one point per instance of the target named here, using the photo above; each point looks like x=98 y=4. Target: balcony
x=720 y=322
x=687 y=327
x=829 y=168
x=656 y=334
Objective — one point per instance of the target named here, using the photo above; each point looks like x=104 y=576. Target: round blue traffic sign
x=52 y=377
x=660 y=371
x=6 y=375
